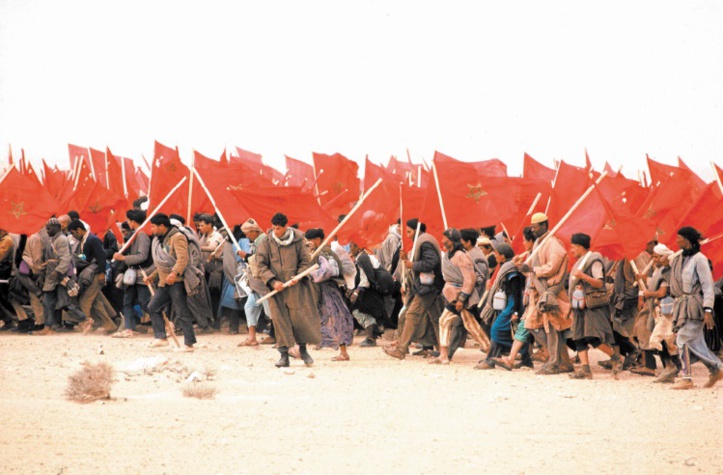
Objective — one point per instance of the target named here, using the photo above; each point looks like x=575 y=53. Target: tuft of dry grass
x=90 y=383
x=199 y=391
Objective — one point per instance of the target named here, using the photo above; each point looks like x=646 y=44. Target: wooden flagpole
x=218 y=211
x=567 y=215
x=163 y=312
x=288 y=283
x=439 y=195
x=150 y=215
x=717 y=177
x=190 y=187
x=554 y=182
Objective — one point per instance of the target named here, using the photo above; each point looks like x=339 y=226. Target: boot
x=305 y=356
x=284 y=360
x=369 y=340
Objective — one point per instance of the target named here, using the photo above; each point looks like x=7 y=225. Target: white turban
x=662 y=250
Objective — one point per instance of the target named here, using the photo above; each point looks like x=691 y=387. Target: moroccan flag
x=660 y=173
x=54 y=180
x=115 y=174
x=693 y=177
x=408 y=172
x=370 y=223
x=701 y=216
x=132 y=185
x=220 y=182
x=472 y=199
x=262 y=203
x=253 y=161
x=531 y=168
x=202 y=161
x=98 y=166
x=614 y=234
x=167 y=171
x=298 y=173
x=667 y=204
x=492 y=167
x=25 y=205
x=95 y=203
x=142 y=180
x=570 y=183
x=247 y=157
x=339 y=185
x=77 y=153
x=623 y=193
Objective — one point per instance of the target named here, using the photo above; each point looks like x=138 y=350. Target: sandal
x=123 y=334
x=502 y=364
x=483 y=365
x=248 y=342
x=340 y=358
x=267 y=340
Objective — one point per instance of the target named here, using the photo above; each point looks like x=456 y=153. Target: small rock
x=311 y=376
x=690 y=462
x=289 y=371
x=100 y=349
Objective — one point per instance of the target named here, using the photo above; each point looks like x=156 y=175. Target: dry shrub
x=90 y=383
x=199 y=391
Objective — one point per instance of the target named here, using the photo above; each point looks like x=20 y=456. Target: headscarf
x=693 y=237
x=250 y=225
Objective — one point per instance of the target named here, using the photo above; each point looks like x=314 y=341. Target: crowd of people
x=294 y=289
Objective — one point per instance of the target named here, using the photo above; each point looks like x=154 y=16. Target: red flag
x=667 y=204
x=25 y=205
x=247 y=157
x=98 y=166
x=570 y=183
x=472 y=199
x=408 y=172
x=220 y=182
x=95 y=203
x=76 y=153
x=339 y=178
x=298 y=173
x=700 y=215
x=261 y=203
x=202 y=161
x=492 y=167
x=531 y=168
x=115 y=174
x=695 y=178
x=142 y=180
x=659 y=172
x=614 y=234
x=167 y=171
x=623 y=193
x=370 y=223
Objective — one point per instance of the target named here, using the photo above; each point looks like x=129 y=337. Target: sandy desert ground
x=370 y=415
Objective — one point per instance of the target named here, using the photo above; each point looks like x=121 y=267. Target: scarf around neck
x=286 y=239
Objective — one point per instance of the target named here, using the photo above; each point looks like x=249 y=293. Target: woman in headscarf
x=337 y=324
x=691 y=284
x=505 y=297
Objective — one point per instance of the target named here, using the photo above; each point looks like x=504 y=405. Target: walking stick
x=288 y=283
x=165 y=318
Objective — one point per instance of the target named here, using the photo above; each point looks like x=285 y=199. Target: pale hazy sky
x=475 y=80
